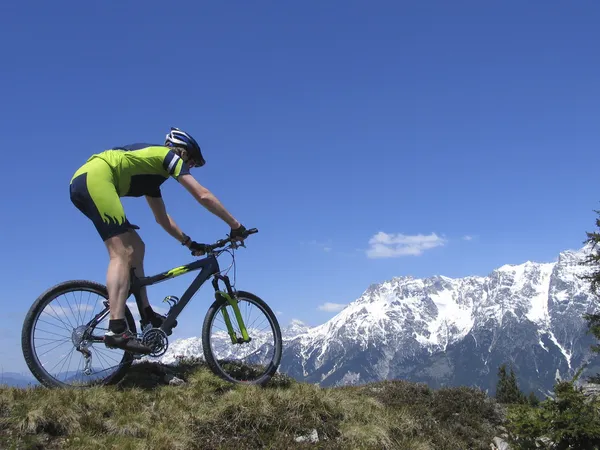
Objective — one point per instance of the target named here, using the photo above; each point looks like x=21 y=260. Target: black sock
x=117 y=326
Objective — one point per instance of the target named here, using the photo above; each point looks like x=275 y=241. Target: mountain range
x=450 y=331
x=15 y=379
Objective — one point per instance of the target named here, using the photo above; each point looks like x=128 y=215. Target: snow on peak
x=438 y=310
x=295 y=328
x=538 y=311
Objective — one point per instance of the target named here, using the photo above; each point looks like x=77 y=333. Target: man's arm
x=208 y=200
x=157 y=205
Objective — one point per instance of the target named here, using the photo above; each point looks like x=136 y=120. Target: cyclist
x=133 y=171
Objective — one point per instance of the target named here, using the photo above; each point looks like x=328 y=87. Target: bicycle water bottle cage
x=171 y=298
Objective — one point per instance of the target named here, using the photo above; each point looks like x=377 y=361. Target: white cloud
x=467 y=238
x=384 y=245
x=331 y=307
x=73 y=310
x=325 y=246
x=279 y=313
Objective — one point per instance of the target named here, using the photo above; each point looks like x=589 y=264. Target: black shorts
x=93 y=192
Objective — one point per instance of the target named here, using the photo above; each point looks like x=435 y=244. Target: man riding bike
x=132 y=171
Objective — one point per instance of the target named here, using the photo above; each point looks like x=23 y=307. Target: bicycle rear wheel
x=66 y=323
x=253 y=362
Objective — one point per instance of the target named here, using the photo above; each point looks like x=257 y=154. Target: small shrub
x=568 y=421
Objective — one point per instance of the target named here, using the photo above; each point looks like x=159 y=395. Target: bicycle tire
x=207 y=349
x=35 y=310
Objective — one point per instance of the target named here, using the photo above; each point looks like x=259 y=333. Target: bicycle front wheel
x=253 y=362
x=62 y=337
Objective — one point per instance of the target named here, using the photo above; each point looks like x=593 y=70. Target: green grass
x=206 y=412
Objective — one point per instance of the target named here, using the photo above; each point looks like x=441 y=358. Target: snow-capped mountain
x=192 y=347
x=446 y=331
x=295 y=328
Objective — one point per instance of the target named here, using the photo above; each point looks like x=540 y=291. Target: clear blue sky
x=323 y=124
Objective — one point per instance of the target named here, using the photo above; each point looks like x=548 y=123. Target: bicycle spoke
x=53 y=341
x=93 y=308
x=252 y=324
x=58 y=318
x=100 y=358
x=70 y=309
x=64 y=325
x=79 y=371
x=247 y=313
x=106 y=354
x=49 y=350
x=50 y=332
x=78 y=303
x=59 y=361
x=68 y=365
x=63 y=309
x=79 y=311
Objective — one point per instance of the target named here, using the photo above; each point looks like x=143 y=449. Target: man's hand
x=197 y=248
x=238 y=233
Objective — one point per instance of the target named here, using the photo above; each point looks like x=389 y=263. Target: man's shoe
x=125 y=341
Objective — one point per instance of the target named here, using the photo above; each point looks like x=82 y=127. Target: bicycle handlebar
x=223 y=242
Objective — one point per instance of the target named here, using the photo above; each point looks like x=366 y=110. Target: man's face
x=189 y=161
x=193 y=163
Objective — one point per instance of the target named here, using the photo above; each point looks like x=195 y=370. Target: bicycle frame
x=209 y=267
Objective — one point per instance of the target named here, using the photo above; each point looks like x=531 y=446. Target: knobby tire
x=207 y=348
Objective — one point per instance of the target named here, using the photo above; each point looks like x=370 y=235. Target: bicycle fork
x=230 y=297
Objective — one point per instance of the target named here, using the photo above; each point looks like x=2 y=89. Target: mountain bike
x=253 y=355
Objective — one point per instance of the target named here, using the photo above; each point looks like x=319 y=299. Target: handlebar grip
x=252 y=231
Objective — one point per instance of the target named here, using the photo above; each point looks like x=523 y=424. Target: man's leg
x=120 y=251
x=137 y=262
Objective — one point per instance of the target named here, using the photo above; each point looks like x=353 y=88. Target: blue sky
x=365 y=140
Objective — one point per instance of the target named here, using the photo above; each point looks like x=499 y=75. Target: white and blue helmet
x=179 y=138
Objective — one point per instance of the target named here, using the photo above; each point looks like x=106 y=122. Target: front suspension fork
x=230 y=297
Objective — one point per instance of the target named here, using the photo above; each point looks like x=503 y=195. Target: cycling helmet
x=179 y=138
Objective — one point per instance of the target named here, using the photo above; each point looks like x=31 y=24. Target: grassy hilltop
x=203 y=412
